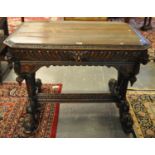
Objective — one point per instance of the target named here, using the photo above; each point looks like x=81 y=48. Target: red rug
x=13 y=101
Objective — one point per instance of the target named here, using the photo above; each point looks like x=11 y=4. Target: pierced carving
x=77 y=56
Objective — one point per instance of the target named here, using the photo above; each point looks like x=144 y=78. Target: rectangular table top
x=75 y=34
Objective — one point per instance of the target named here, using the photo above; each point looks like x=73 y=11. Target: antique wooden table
x=37 y=44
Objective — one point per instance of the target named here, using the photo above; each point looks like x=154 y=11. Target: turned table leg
x=125 y=116
x=31 y=119
x=118 y=89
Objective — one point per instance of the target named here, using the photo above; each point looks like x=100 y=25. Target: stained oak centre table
x=113 y=44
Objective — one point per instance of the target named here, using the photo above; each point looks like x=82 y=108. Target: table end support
x=122 y=104
x=32 y=117
x=118 y=89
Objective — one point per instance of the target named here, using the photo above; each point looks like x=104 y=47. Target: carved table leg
x=118 y=90
x=38 y=90
x=125 y=116
x=38 y=85
x=31 y=119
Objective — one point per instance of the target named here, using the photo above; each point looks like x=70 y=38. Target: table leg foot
x=29 y=124
x=126 y=122
x=125 y=117
x=121 y=103
x=31 y=119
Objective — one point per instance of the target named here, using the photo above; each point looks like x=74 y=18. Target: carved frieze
x=79 y=55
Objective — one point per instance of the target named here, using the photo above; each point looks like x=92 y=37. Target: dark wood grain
x=82 y=35
x=75 y=98
x=86 y=19
x=37 y=44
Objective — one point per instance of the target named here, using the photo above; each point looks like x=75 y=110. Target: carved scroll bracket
x=129 y=71
x=22 y=70
x=144 y=59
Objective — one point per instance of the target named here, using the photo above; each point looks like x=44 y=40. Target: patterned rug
x=150 y=34
x=142 y=109
x=13 y=103
x=142 y=103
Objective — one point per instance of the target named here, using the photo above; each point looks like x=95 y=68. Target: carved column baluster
x=118 y=88
x=125 y=116
x=31 y=120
